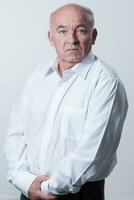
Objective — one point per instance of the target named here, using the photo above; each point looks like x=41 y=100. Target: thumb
x=45 y=177
x=42 y=178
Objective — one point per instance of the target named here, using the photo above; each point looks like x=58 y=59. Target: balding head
x=89 y=17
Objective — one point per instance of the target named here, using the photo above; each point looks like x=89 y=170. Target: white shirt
x=66 y=127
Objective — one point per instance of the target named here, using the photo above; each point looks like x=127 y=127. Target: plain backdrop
x=24 y=45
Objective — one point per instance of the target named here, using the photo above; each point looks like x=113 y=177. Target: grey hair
x=87 y=10
x=90 y=15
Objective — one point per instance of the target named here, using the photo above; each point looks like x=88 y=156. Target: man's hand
x=35 y=193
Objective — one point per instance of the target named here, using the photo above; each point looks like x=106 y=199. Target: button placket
x=54 y=106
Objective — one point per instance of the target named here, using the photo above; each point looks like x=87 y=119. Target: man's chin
x=74 y=59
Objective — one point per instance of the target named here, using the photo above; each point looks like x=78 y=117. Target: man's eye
x=62 y=31
x=81 y=31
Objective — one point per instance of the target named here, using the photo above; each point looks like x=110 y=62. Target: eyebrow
x=80 y=25
x=60 y=26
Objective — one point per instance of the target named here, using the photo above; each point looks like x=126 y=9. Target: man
x=65 y=130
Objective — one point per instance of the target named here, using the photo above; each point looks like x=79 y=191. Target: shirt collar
x=81 y=69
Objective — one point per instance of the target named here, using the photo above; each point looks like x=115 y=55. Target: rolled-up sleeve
x=107 y=110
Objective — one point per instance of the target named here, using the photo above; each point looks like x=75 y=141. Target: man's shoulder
x=102 y=70
x=41 y=70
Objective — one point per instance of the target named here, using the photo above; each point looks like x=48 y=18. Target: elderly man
x=64 y=132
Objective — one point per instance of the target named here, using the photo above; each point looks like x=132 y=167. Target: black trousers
x=89 y=191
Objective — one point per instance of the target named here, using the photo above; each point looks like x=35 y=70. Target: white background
x=24 y=45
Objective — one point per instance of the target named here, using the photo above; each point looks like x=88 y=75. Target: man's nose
x=72 y=38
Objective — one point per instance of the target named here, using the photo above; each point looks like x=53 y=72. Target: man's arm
x=106 y=114
x=15 y=149
x=16 y=146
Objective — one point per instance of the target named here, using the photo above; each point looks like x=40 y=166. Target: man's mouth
x=72 y=49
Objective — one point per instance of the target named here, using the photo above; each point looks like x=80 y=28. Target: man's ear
x=50 y=38
x=94 y=36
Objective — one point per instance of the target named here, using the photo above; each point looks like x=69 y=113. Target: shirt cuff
x=24 y=181
x=44 y=186
x=59 y=185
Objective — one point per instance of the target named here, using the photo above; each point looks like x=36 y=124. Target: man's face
x=71 y=35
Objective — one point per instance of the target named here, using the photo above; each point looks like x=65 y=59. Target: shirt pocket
x=72 y=123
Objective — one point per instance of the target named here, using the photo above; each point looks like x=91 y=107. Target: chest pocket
x=72 y=123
